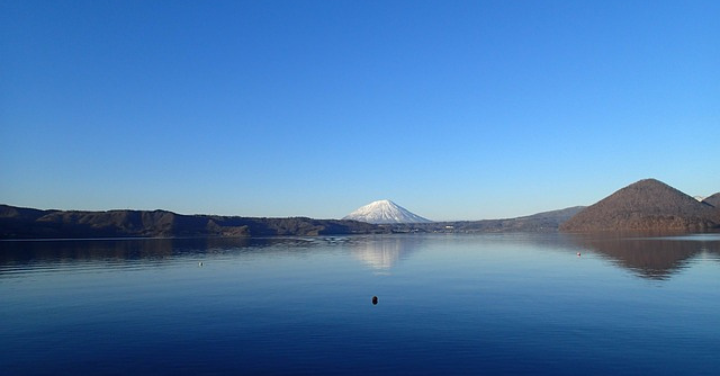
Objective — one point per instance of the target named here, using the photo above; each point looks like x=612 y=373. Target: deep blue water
x=447 y=304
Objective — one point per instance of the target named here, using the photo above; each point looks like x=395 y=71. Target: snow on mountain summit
x=385 y=211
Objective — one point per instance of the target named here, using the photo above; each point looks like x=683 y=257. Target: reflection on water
x=454 y=304
x=656 y=257
x=20 y=255
x=652 y=257
x=382 y=253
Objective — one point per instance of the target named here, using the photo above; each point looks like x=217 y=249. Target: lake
x=510 y=304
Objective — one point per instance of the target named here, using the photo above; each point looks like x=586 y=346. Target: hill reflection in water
x=655 y=257
x=124 y=252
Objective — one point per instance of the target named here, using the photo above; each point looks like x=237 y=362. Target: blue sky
x=453 y=109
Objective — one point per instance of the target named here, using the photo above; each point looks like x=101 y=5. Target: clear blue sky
x=453 y=109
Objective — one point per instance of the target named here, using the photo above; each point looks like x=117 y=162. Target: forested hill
x=25 y=223
x=647 y=205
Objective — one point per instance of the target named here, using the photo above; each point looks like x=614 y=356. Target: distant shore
x=645 y=206
x=28 y=223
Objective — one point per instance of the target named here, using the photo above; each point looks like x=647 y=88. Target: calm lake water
x=447 y=304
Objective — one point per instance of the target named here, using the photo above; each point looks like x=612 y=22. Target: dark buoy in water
x=579 y=254
x=374 y=300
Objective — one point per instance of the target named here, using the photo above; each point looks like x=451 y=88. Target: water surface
x=447 y=304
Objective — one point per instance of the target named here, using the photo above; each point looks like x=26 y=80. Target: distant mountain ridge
x=24 y=223
x=28 y=223
x=713 y=200
x=384 y=212
x=541 y=222
x=647 y=205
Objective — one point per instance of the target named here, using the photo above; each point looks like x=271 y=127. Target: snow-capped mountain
x=385 y=211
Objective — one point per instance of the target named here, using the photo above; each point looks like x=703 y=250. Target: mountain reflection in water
x=382 y=253
x=657 y=257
